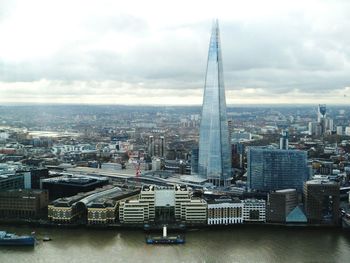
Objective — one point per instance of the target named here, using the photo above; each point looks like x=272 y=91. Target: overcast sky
x=155 y=52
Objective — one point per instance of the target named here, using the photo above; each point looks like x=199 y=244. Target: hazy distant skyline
x=155 y=52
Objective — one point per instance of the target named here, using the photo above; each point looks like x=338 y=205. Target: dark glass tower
x=214 y=162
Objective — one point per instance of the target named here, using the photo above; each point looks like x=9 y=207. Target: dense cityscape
x=231 y=182
x=52 y=160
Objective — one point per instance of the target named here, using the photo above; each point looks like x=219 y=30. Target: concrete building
x=254 y=210
x=225 y=211
x=18 y=203
x=322 y=199
x=280 y=203
x=158 y=205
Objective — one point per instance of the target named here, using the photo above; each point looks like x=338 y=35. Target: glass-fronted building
x=274 y=169
x=214 y=162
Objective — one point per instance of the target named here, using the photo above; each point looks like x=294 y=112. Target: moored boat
x=9 y=239
x=165 y=239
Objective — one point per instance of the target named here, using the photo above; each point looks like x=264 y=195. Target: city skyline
x=114 y=53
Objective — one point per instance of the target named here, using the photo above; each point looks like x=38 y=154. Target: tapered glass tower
x=214 y=162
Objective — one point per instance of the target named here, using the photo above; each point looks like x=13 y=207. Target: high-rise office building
x=284 y=140
x=214 y=162
x=321 y=113
x=274 y=169
x=151 y=147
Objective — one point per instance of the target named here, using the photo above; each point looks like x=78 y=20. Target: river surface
x=237 y=244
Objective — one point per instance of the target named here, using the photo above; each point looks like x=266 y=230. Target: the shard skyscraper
x=214 y=161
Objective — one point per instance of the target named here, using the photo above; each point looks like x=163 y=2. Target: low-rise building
x=322 y=198
x=280 y=203
x=102 y=211
x=254 y=210
x=224 y=211
x=19 y=203
x=99 y=206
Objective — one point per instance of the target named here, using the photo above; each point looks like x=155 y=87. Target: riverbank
x=154 y=227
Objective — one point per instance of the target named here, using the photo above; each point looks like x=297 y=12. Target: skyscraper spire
x=214 y=161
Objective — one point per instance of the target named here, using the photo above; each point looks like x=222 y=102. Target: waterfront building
x=214 y=161
x=194 y=211
x=69 y=185
x=254 y=210
x=274 y=169
x=322 y=199
x=98 y=206
x=102 y=211
x=163 y=205
x=18 y=203
x=225 y=211
x=280 y=203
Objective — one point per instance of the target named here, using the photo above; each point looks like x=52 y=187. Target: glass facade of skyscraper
x=214 y=161
x=274 y=169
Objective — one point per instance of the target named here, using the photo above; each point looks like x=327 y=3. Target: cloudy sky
x=154 y=52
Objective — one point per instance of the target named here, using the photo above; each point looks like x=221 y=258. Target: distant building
x=254 y=210
x=339 y=130
x=241 y=136
x=194 y=161
x=280 y=203
x=347 y=131
x=225 y=211
x=315 y=128
x=11 y=181
x=37 y=175
x=151 y=146
x=23 y=203
x=273 y=169
x=65 y=186
x=322 y=201
x=177 y=166
x=284 y=140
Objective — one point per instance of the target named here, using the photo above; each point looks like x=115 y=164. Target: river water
x=237 y=244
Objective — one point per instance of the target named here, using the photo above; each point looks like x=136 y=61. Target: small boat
x=8 y=239
x=165 y=239
x=46 y=238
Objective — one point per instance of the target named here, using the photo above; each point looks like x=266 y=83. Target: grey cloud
x=278 y=55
